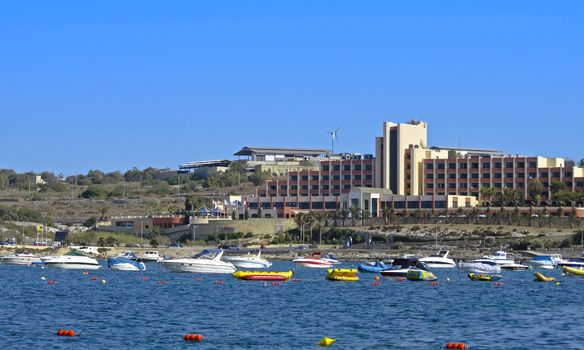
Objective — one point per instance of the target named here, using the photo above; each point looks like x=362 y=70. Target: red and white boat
x=317 y=260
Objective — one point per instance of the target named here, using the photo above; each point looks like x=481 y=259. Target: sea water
x=133 y=310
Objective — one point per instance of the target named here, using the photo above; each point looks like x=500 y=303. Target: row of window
x=430 y=176
x=334 y=177
x=485 y=165
x=346 y=167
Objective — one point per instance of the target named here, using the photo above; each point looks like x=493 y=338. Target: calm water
x=130 y=312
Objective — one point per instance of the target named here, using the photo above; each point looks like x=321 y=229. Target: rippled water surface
x=128 y=312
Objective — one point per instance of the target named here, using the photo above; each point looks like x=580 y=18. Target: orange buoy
x=51 y=282
x=295 y=280
x=66 y=332
x=434 y=283
x=376 y=283
x=376 y=278
x=93 y=278
x=461 y=346
x=401 y=278
x=193 y=337
x=499 y=283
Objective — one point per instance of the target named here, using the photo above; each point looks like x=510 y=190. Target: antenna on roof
x=334 y=137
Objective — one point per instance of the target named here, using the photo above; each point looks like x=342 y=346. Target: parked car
x=40 y=243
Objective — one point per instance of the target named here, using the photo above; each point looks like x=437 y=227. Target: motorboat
x=500 y=257
x=514 y=267
x=128 y=255
x=150 y=256
x=577 y=263
x=480 y=266
x=543 y=262
x=71 y=261
x=263 y=275
x=400 y=267
x=125 y=264
x=207 y=261
x=439 y=260
x=374 y=267
x=415 y=274
x=248 y=261
x=22 y=258
x=345 y=275
x=317 y=260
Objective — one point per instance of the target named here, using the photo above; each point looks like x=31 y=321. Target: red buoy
x=193 y=337
x=93 y=278
x=461 y=346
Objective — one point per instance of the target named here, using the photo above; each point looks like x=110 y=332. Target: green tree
x=364 y=215
x=556 y=186
x=91 y=222
x=488 y=192
x=535 y=190
x=93 y=192
x=344 y=215
x=355 y=213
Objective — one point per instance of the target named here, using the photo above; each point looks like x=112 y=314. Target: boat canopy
x=409 y=262
x=208 y=253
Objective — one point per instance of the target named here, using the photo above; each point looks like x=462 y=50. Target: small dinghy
x=375 y=267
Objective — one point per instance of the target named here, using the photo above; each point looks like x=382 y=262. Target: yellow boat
x=263 y=275
x=347 y=275
x=573 y=271
x=541 y=278
x=484 y=277
x=420 y=275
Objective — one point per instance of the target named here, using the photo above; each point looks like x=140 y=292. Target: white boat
x=71 y=261
x=124 y=264
x=207 y=261
x=543 y=262
x=150 y=256
x=439 y=260
x=480 y=266
x=577 y=263
x=317 y=261
x=20 y=259
x=500 y=257
x=248 y=261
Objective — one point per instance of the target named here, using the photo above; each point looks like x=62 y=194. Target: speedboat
x=22 y=258
x=480 y=266
x=317 y=260
x=127 y=255
x=71 y=261
x=207 y=261
x=577 y=263
x=375 y=267
x=248 y=261
x=400 y=267
x=124 y=264
x=439 y=260
x=150 y=256
x=543 y=262
x=500 y=257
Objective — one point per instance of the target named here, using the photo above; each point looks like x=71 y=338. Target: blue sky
x=116 y=84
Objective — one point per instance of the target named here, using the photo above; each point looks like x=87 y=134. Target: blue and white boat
x=128 y=255
x=123 y=264
x=375 y=267
x=543 y=262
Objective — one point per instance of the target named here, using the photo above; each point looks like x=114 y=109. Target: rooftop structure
x=279 y=153
x=204 y=164
x=470 y=151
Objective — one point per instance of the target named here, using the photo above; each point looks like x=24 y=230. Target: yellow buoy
x=326 y=341
x=103 y=281
x=557 y=283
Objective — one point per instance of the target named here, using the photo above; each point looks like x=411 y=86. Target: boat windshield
x=208 y=254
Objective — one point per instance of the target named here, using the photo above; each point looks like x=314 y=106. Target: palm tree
x=336 y=215
x=364 y=214
x=355 y=212
x=300 y=219
x=386 y=211
x=345 y=215
x=319 y=218
x=488 y=192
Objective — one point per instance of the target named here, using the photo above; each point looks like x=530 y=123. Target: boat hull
x=573 y=271
x=484 y=277
x=395 y=273
x=478 y=268
x=313 y=263
x=71 y=266
x=438 y=265
x=22 y=261
x=193 y=267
